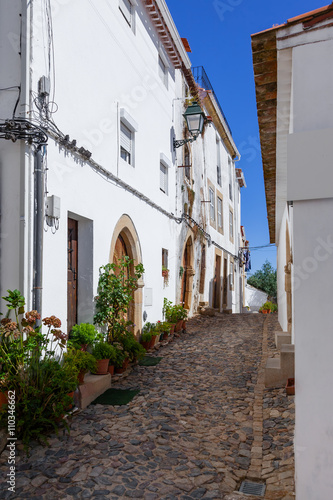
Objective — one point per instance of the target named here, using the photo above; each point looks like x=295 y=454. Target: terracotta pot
x=81 y=378
x=290 y=387
x=145 y=345
x=71 y=395
x=3 y=398
x=179 y=325
x=123 y=368
x=184 y=324
x=111 y=369
x=152 y=342
x=102 y=367
x=172 y=327
x=264 y=311
x=165 y=335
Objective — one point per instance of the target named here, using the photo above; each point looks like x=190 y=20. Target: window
x=165 y=258
x=126 y=144
x=212 y=204
x=218 y=168
x=187 y=163
x=163 y=71
x=163 y=178
x=231 y=225
x=230 y=178
x=231 y=275
x=219 y=214
x=126 y=9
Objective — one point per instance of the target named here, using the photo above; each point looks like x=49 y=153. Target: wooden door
x=185 y=264
x=225 y=283
x=217 y=283
x=72 y=268
x=121 y=251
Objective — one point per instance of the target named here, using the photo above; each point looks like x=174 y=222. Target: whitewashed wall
x=254 y=298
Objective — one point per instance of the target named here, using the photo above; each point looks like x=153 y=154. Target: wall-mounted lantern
x=195 y=119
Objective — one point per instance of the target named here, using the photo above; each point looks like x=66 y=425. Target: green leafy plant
x=265 y=279
x=116 y=285
x=181 y=271
x=103 y=350
x=131 y=346
x=32 y=366
x=146 y=336
x=163 y=327
x=83 y=334
x=83 y=361
x=173 y=313
x=268 y=306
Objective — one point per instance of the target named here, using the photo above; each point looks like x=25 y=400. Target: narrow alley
x=202 y=423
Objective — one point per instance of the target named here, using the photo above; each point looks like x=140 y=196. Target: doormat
x=116 y=397
x=149 y=361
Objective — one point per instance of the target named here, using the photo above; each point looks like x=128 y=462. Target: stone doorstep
x=278 y=370
x=282 y=338
x=94 y=386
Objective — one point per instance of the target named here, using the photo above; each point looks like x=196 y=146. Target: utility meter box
x=53 y=207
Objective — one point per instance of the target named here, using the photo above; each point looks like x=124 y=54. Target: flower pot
x=172 y=327
x=102 y=367
x=165 y=335
x=122 y=369
x=111 y=369
x=152 y=342
x=179 y=325
x=290 y=387
x=145 y=345
x=81 y=378
x=71 y=395
x=3 y=398
x=184 y=324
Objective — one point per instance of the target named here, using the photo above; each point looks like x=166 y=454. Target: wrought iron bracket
x=179 y=144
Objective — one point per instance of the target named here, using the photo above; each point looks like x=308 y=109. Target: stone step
x=282 y=338
x=279 y=369
x=94 y=386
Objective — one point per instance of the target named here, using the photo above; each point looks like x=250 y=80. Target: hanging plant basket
x=165 y=274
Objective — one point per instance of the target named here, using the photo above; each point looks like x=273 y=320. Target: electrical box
x=53 y=207
x=44 y=86
x=148 y=297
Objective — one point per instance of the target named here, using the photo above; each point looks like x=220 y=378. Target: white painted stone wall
x=254 y=298
x=310 y=112
x=104 y=70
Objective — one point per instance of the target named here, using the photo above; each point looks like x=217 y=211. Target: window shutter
x=163 y=178
x=126 y=9
x=126 y=138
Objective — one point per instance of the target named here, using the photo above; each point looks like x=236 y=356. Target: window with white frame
x=187 y=163
x=163 y=71
x=231 y=225
x=231 y=275
x=126 y=143
x=230 y=178
x=163 y=178
x=219 y=214
x=218 y=161
x=212 y=204
x=126 y=9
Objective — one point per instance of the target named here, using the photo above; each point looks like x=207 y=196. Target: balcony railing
x=203 y=81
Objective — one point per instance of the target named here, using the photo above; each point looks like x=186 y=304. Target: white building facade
x=106 y=84
x=294 y=80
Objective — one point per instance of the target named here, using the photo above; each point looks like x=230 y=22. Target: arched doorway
x=187 y=278
x=125 y=242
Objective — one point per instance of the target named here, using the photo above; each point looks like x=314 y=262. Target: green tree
x=265 y=279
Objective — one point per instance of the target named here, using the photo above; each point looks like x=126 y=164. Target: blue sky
x=219 y=34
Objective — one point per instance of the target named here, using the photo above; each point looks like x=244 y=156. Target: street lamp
x=195 y=119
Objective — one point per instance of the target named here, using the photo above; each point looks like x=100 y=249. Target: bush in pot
x=83 y=335
x=82 y=360
x=102 y=351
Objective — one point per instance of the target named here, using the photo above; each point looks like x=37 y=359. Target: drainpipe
x=38 y=230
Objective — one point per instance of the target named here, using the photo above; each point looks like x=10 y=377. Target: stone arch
x=126 y=236
x=187 y=262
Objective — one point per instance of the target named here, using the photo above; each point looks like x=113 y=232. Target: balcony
x=201 y=78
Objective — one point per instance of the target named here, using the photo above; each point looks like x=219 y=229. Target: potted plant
x=290 y=387
x=82 y=360
x=83 y=335
x=122 y=358
x=165 y=274
x=102 y=351
x=169 y=314
x=164 y=328
x=146 y=338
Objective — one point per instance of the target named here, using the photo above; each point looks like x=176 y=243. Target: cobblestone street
x=202 y=423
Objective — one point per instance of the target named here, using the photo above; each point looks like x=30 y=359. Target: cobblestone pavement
x=202 y=423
